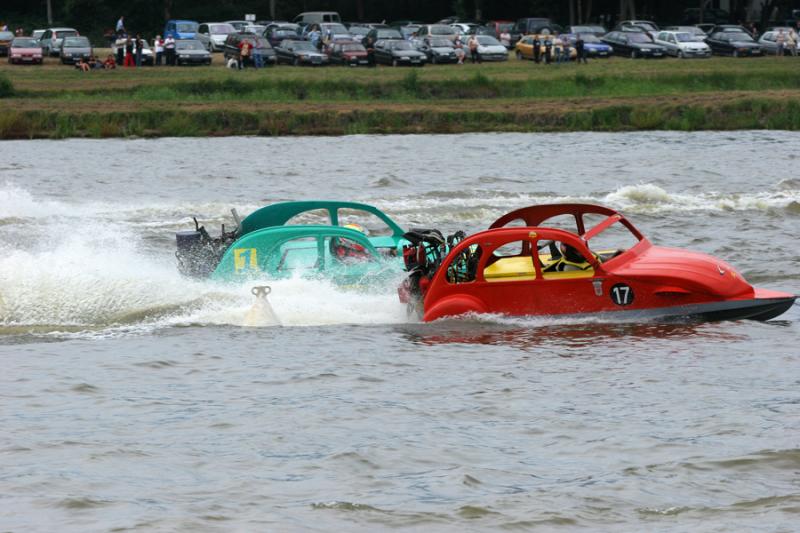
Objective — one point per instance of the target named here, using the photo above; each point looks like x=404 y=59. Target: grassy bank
x=612 y=95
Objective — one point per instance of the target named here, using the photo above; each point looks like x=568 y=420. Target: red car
x=569 y=259
x=347 y=53
x=25 y=50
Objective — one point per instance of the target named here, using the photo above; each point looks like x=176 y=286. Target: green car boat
x=347 y=242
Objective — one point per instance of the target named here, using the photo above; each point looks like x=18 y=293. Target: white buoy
x=261 y=314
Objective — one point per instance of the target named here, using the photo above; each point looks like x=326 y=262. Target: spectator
x=548 y=49
x=120 y=46
x=3 y=26
x=505 y=39
x=169 y=49
x=109 y=63
x=129 y=52
x=780 y=41
x=139 y=48
x=159 y=45
x=82 y=65
x=244 y=53
x=459 y=47
x=791 y=43
x=537 y=49
x=563 y=50
x=121 y=25
x=258 y=59
x=19 y=32
x=315 y=37
x=369 y=44
x=472 y=44
x=580 y=49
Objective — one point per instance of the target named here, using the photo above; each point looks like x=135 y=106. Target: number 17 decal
x=622 y=294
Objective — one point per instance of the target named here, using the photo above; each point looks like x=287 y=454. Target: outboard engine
x=198 y=252
x=422 y=259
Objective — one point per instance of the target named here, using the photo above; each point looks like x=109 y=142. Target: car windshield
x=684 y=38
x=303 y=46
x=221 y=28
x=66 y=33
x=638 y=37
x=739 y=37
x=590 y=38
x=189 y=45
x=400 y=45
x=486 y=40
x=441 y=43
x=76 y=42
x=389 y=34
x=353 y=48
x=24 y=42
x=260 y=42
x=646 y=25
x=358 y=30
x=186 y=27
x=335 y=28
x=442 y=30
x=280 y=32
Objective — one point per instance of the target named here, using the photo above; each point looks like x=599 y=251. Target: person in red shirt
x=244 y=52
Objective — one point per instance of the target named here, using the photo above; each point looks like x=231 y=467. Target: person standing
x=129 y=52
x=369 y=44
x=258 y=58
x=780 y=41
x=505 y=39
x=120 y=24
x=580 y=49
x=169 y=49
x=548 y=49
x=472 y=44
x=459 y=47
x=139 y=49
x=244 y=53
x=120 y=45
x=159 y=44
x=537 y=49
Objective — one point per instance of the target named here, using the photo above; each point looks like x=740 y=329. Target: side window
x=566 y=222
x=298 y=255
x=614 y=240
x=463 y=268
x=315 y=216
x=563 y=261
x=510 y=262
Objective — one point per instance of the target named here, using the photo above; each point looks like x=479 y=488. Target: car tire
x=394 y=62
x=680 y=54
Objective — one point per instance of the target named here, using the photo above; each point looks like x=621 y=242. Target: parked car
x=231 y=50
x=592 y=45
x=697 y=33
x=682 y=44
x=191 y=52
x=437 y=49
x=499 y=26
x=634 y=44
x=25 y=50
x=398 y=52
x=37 y=34
x=73 y=49
x=334 y=31
x=437 y=30
x=239 y=25
x=358 y=31
x=383 y=34
x=349 y=53
x=295 y=52
x=276 y=33
x=5 y=42
x=213 y=34
x=732 y=43
x=769 y=45
x=587 y=29
x=317 y=17
x=52 y=37
x=490 y=49
x=410 y=30
x=181 y=29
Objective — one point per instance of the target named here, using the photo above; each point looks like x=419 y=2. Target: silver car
x=73 y=49
x=213 y=35
x=52 y=37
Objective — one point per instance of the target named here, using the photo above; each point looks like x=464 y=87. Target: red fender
x=454 y=305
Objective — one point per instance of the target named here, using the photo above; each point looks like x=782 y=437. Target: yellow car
x=524 y=48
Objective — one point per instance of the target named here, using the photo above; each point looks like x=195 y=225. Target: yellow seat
x=518 y=268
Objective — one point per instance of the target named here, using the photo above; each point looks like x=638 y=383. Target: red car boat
x=567 y=259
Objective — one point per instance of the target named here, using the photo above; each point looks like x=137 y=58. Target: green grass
x=610 y=95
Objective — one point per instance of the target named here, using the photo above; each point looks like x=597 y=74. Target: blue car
x=593 y=45
x=181 y=29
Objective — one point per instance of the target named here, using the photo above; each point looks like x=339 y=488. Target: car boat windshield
x=486 y=40
x=221 y=29
x=684 y=38
x=638 y=37
x=186 y=27
x=441 y=43
x=76 y=42
x=189 y=45
x=24 y=42
x=400 y=45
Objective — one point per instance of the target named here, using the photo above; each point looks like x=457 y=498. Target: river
x=134 y=399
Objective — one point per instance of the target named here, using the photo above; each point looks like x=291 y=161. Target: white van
x=317 y=17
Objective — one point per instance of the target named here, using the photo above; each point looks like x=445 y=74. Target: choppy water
x=133 y=399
